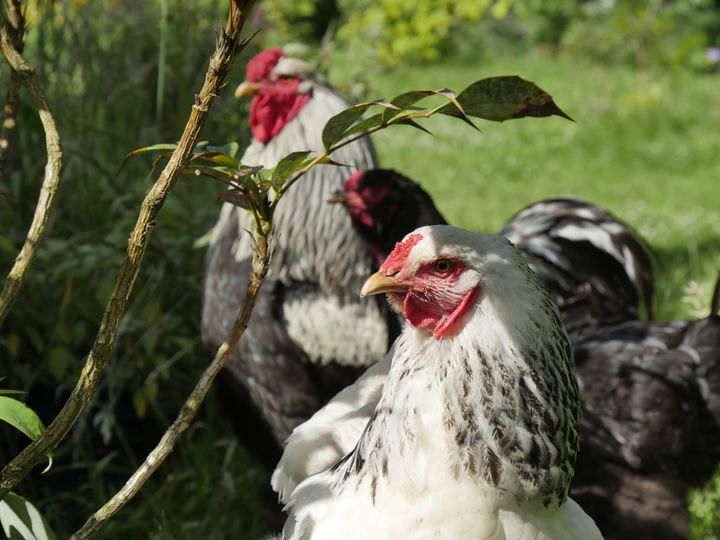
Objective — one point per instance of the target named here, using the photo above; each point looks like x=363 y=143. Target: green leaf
x=236 y=197
x=20 y=416
x=230 y=149
x=20 y=520
x=216 y=173
x=334 y=130
x=8 y=392
x=145 y=149
x=504 y=98
x=218 y=158
x=287 y=166
x=404 y=101
x=413 y=123
x=371 y=122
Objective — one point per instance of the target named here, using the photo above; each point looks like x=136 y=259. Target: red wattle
x=274 y=106
x=424 y=313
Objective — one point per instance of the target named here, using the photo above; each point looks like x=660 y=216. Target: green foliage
x=297 y=20
x=664 y=32
x=393 y=32
x=99 y=64
x=398 y=31
x=704 y=508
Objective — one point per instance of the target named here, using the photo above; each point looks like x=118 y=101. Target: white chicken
x=475 y=433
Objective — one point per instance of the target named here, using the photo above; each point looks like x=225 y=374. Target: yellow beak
x=379 y=283
x=246 y=88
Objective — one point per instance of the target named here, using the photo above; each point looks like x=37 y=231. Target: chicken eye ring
x=443 y=266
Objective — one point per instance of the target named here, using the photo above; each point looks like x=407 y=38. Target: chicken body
x=309 y=335
x=474 y=436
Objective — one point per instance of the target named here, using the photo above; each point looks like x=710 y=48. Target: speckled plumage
x=475 y=433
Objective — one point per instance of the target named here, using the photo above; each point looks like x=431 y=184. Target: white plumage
x=474 y=433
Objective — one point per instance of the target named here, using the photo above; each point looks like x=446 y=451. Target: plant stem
x=9 y=42
x=228 y=46
x=17 y=22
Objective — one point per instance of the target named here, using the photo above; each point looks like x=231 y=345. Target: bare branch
x=17 y=21
x=228 y=45
x=9 y=40
x=261 y=261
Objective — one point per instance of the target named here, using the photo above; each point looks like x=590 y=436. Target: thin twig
x=48 y=191
x=261 y=262
x=228 y=45
x=17 y=22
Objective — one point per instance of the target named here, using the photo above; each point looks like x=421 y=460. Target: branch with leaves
x=495 y=98
x=10 y=42
x=228 y=46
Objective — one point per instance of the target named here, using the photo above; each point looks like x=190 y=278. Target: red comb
x=260 y=65
x=400 y=253
x=353 y=182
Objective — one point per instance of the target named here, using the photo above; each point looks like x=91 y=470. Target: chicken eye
x=442 y=266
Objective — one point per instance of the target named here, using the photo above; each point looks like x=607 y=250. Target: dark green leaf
x=334 y=130
x=328 y=161
x=20 y=520
x=245 y=172
x=371 y=122
x=216 y=173
x=287 y=166
x=236 y=197
x=504 y=98
x=217 y=157
x=413 y=123
x=403 y=101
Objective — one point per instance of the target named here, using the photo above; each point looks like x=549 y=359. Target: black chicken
x=650 y=391
x=310 y=334
x=654 y=390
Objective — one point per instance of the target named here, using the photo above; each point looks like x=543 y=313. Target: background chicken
x=654 y=390
x=650 y=391
x=293 y=356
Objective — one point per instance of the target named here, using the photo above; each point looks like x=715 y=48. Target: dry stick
x=50 y=184
x=261 y=260
x=17 y=21
x=228 y=46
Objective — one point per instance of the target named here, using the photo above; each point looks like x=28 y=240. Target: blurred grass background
x=638 y=78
